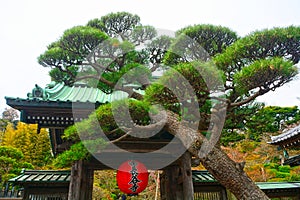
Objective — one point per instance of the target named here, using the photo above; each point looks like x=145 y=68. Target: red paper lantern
x=132 y=177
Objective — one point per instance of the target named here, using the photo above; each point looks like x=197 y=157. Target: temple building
x=287 y=140
x=58 y=106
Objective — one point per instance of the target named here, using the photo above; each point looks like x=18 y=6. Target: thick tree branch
x=139 y=129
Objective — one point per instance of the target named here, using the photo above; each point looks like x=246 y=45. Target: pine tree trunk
x=229 y=173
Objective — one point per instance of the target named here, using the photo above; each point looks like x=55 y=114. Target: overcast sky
x=28 y=26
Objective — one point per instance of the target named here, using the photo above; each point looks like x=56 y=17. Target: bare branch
x=122 y=137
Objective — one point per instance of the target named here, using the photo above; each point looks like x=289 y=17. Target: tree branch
x=139 y=128
x=249 y=99
x=122 y=137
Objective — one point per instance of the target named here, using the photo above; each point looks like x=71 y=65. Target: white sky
x=28 y=26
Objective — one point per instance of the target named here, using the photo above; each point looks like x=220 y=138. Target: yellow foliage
x=9 y=135
x=256 y=155
x=25 y=137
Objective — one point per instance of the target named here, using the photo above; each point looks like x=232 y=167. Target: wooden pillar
x=176 y=181
x=186 y=174
x=170 y=189
x=81 y=185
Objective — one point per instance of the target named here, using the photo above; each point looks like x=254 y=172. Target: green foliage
x=105 y=185
x=86 y=135
x=294 y=177
x=157 y=49
x=205 y=41
x=271 y=119
x=246 y=68
x=99 y=53
x=185 y=81
x=214 y=39
x=11 y=163
x=276 y=42
x=271 y=72
x=77 y=152
x=129 y=74
x=81 y=40
x=65 y=77
x=70 y=50
x=39 y=150
x=284 y=168
x=267 y=57
x=141 y=34
x=277 y=172
x=104 y=118
x=238 y=117
x=231 y=137
x=88 y=130
x=118 y=24
x=11 y=152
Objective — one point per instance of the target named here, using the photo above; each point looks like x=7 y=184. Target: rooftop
x=277 y=185
x=290 y=134
x=53 y=105
x=202 y=176
x=42 y=176
x=80 y=92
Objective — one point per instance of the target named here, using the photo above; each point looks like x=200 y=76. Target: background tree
x=9 y=115
x=11 y=163
x=246 y=67
x=271 y=119
x=35 y=147
x=235 y=126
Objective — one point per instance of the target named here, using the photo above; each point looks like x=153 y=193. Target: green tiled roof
x=42 y=176
x=53 y=106
x=202 y=176
x=58 y=95
x=278 y=185
x=77 y=93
